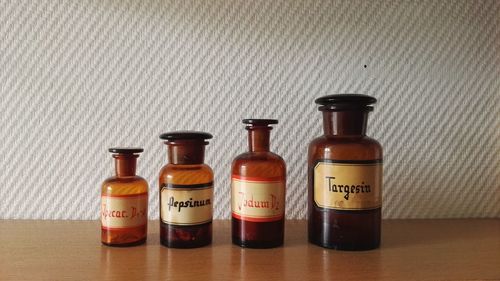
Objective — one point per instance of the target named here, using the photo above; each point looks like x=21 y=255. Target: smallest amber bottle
x=124 y=202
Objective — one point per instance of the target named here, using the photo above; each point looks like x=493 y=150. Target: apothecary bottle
x=186 y=191
x=124 y=202
x=345 y=177
x=258 y=180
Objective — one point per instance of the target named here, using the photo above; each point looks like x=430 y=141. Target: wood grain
x=411 y=250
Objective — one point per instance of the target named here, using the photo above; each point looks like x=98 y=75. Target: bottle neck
x=125 y=165
x=258 y=138
x=188 y=153
x=345 y=123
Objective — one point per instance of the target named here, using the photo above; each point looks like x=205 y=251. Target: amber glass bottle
x=345 y=177
x=258 y=180
x=124 y=202
x=186 y=191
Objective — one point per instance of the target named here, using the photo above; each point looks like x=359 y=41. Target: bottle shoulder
x=124 y=185
x=258 y=156
x=186 y=174
x=195 y=167
x=348 y=148
x=124 y=180
x=259 y=164
x=343 y=139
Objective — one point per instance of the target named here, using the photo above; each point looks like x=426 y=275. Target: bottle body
x=258 y=200
x=186 y=199
x=345 y=227
x=124 y=211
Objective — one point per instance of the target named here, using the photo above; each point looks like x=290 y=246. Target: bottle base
x=346 y=246
x=257 y=244
x=185 y=237
x=123 y=245
x=177 y=245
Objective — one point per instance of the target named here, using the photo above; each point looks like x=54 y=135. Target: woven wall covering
x=77 y=77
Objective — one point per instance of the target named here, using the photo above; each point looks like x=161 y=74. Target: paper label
x=348 y=185
x=257 y=199
x=185 y=204
x=124 y=211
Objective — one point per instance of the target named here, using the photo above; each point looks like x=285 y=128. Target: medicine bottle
x=345 y=177
x=258 y=180
x=124 y=202
x=186 y=191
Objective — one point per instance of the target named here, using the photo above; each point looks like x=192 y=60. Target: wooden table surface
x=411 y=250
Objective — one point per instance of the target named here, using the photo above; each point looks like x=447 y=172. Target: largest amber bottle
x=345 y=177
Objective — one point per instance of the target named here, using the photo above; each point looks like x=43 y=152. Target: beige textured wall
x=77 y=77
